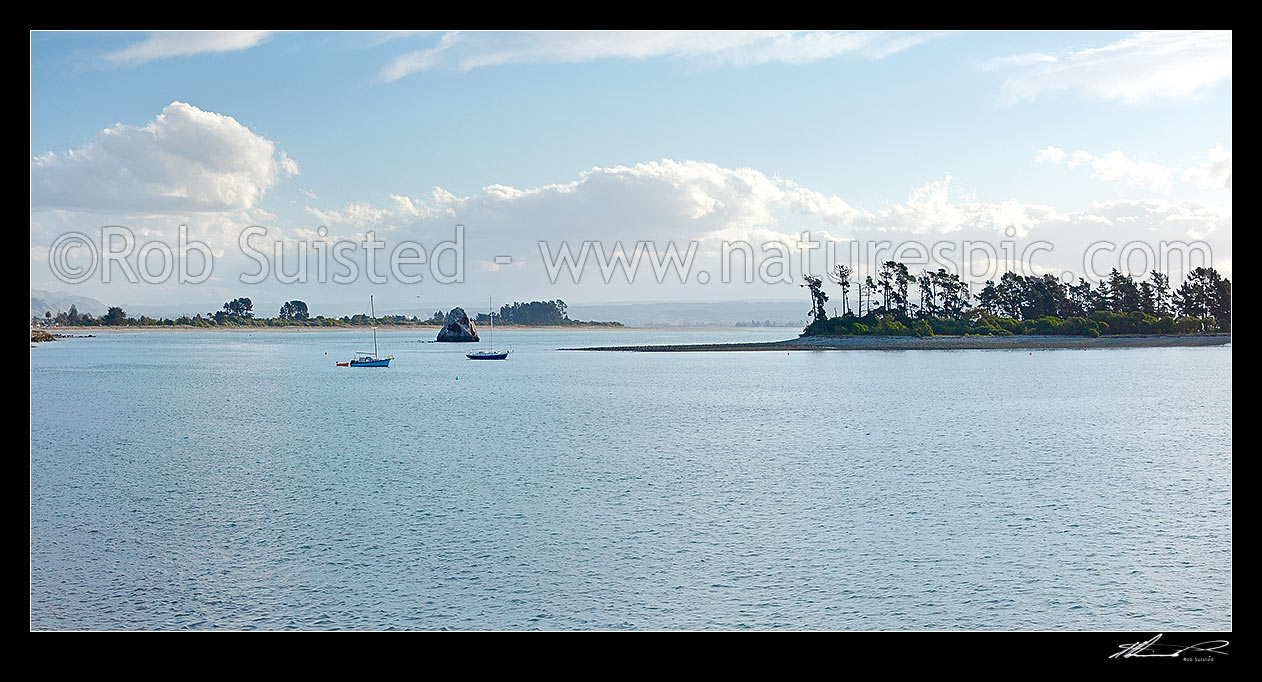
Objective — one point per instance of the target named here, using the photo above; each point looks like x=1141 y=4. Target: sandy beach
x=1030 y=342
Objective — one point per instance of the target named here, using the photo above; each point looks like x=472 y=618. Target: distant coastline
x=1024 y=342
x=239 y=314
x=310 y=328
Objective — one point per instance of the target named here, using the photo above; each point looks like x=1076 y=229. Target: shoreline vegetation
x=1015 y=313
x=1033 y=342
x=422 y=326
x=1021 y=306
x=238 y=314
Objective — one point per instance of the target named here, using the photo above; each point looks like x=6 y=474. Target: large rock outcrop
x=458 y=328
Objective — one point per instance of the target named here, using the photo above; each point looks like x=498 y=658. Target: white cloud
x=1114 y=167
x=1140 y=67
x=1155 y=213
x=666 y=203
x=1050 y=155
x=674 y=200
x=653 y=200
x=358 y=214
x=680 y=203
x=464 y=51
x=1172 y=219
x=934 y=208
x=185 y=159
x=1214 y=173
x=420 y=60
x=165 y=44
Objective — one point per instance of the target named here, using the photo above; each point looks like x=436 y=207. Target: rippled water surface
x=240 y=480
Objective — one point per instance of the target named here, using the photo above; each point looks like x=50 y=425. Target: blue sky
x=867 y=120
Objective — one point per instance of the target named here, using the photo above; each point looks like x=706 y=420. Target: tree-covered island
x=539 y=314
x=898 y=303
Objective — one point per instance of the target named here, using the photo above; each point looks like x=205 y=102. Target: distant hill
x=60 y=302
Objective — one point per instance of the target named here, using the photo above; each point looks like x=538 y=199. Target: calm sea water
x=242 y=481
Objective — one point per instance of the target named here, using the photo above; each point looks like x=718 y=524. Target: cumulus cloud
x=682 y=204
x=938 y=208
x=1170 y=217
x=658 y=199
x=1080 y=158
x=1114 y=167
x=462 y=51
x=1140 y=67
x=165 y=44
x=672 y=204
x=1050 y=155
x=185 y=159
x=358 y=214
x=1214 y=173
x=673 y=200
x=1190 y=219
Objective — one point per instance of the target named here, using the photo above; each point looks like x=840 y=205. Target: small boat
x=487 y=354
x=364 y=359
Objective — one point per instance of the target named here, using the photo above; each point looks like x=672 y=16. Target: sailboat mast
x=372 y=307
x=491 y=314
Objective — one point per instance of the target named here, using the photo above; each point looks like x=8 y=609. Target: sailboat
x=363 y=359
x=485 y=353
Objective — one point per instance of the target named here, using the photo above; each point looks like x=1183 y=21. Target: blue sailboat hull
x=486 y=356
x=371 y=363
